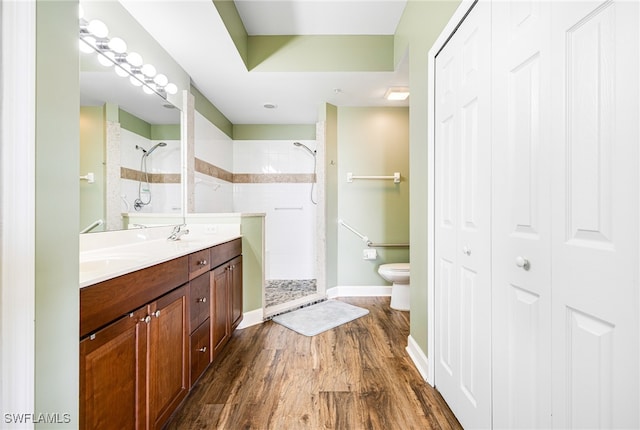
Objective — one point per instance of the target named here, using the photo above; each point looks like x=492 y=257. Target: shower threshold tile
x=280 y=291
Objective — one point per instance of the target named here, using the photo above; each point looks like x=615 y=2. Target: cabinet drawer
x=200 y=300
x=199 y=263
x=200 y=351
x=106 y=301
x=225 y=251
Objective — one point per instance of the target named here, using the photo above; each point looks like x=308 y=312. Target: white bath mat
x=320 y=317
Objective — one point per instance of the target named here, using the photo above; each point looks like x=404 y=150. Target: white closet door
x=463 y=257
x=521 y=223
x=595 y=190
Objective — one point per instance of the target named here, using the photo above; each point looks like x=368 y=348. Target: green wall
x=329 y=114
x=320 y=53
x=232 y=21
x=372 y=141
x=419 y=27
x=274 y=131
x=149 y=131
x=205 y=108
x=92 y=159
x=57 y=211
x=252 y=262
x=134 y=124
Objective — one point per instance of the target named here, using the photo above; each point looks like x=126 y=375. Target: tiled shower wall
x=212 y=146
x=162 y=165
x=267 y=176
x=291 y=216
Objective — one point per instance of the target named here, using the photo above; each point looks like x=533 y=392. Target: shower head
x=153 y=148
x=302 y=145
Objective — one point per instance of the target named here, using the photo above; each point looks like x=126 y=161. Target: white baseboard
x=419 y=359
x=359 y=291
x=251 y=318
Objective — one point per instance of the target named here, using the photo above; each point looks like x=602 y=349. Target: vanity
x=153 y=315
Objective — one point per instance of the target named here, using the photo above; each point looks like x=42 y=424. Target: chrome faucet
x=178 y=232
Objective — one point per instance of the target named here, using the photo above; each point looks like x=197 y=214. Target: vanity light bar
x=93 y=38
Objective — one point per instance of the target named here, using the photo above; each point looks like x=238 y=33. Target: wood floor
x=356 y=376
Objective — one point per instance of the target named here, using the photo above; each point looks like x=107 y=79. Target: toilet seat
x=396 y=267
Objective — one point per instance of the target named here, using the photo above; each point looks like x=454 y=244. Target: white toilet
x=398 y=274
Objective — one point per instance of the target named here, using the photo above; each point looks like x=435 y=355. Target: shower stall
x=281 y=182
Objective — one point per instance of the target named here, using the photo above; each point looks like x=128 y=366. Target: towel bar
x=388 y=245
x=395 y=177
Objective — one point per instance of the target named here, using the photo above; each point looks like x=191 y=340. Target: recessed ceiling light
x=397 y=94
x=270 y=105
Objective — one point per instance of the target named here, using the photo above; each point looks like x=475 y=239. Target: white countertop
x=111 y=255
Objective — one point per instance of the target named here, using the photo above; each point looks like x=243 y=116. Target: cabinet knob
x=146 y=319
x=203 y=349
x=201 y=300
x=202 y=263
x=156 y=314
x=466 y=250
x=522 y=262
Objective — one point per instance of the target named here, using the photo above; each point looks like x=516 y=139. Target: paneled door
x=594 y=236
x=521 y=217
x=462 y=221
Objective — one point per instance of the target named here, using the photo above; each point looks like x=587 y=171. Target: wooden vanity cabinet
x=235 y=282
x=113 y=375
x=226 y=296
x=133 y=372
x=147 y=336
x=220 y=327
x=134 y=347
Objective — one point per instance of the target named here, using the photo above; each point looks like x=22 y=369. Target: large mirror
x=130 y=151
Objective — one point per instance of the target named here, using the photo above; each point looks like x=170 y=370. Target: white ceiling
x=197 y=39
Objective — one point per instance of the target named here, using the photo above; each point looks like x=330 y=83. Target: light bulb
x=134 y=59
x=147 y=90
x=135 y=82
x=118 y=45
x=161 y=80
x=98 y=28
x=105 y=59
x=171 y=88
x=148 y=70
x=86 y=44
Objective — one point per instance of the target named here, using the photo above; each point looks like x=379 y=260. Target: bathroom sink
x=108 y=263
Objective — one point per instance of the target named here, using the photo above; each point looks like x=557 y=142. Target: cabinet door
x=168 y=355
x=235 y=282
x=113 y=375
x=219 y=308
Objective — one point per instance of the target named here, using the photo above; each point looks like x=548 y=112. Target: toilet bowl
x=398 y=274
